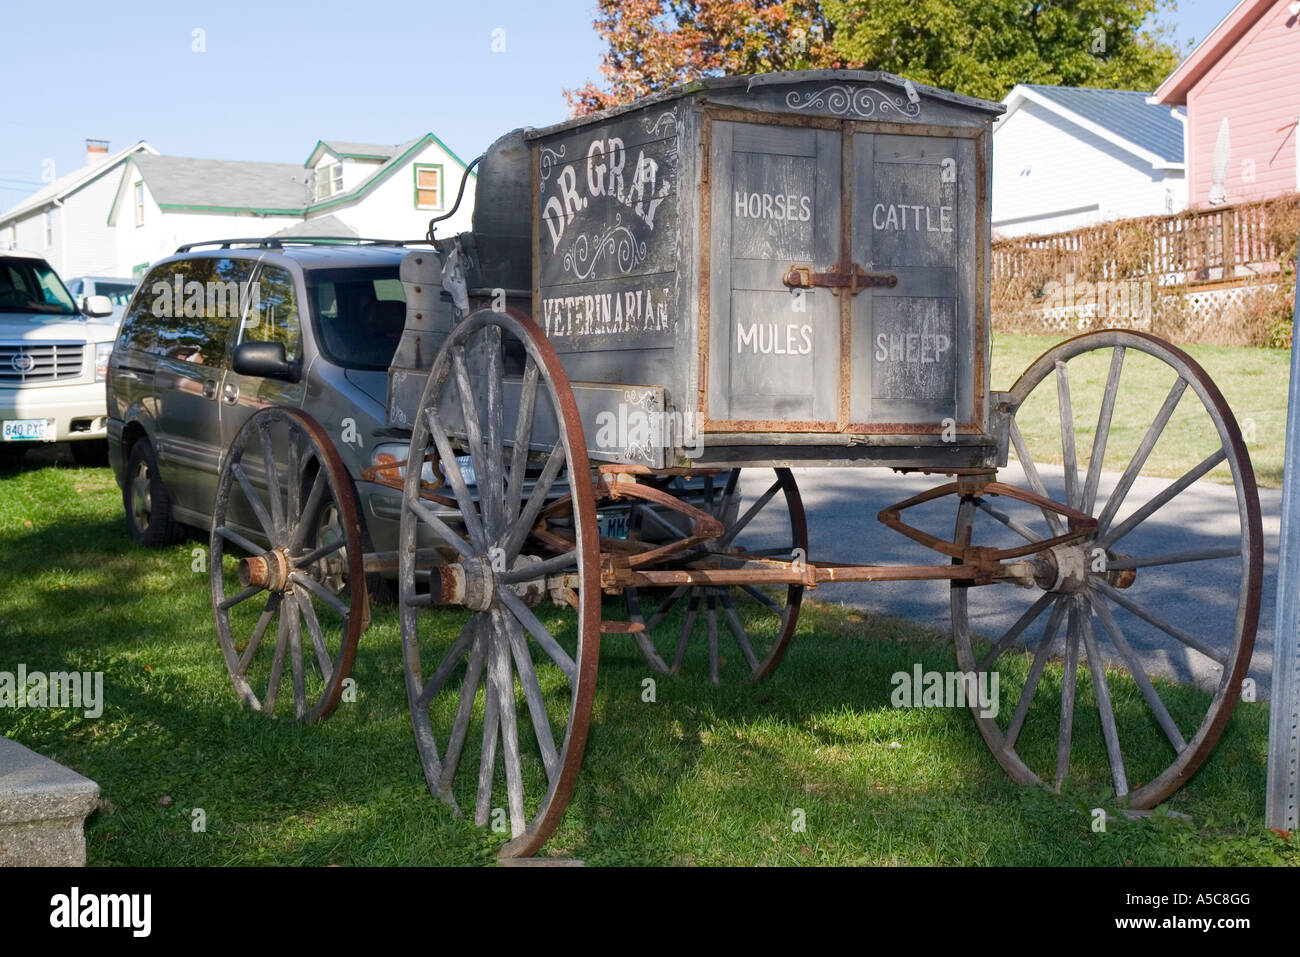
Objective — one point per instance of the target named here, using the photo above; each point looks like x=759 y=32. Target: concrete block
x=43 y=809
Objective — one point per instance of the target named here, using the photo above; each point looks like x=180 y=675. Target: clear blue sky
x=277 y=76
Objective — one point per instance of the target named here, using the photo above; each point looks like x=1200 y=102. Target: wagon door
x=913 y=347
x=775 y=202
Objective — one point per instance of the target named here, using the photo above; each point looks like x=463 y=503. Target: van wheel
x=148 y=506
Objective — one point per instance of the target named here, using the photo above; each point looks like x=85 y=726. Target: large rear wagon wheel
x=1160 y=578
x=502 y=706
x=285 y=566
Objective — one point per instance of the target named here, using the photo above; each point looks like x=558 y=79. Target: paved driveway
x=842 y=505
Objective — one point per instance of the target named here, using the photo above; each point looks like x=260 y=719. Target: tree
x=985 y=48
x=656 y=44
x=977 y=47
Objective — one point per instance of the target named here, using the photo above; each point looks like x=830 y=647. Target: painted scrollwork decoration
x=845 y=100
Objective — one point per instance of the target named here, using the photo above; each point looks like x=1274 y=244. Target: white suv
x=53 y=360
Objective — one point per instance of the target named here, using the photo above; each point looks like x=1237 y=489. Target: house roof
x=1126 y=118
x=329 y=226
x=69 y=183
x=348 y=150
x=1238 y=22
x=178 y=182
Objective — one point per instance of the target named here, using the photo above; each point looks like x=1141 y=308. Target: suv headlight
x=102 y=351
x=390 y=454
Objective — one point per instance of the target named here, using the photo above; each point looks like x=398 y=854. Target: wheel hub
x=270 y=570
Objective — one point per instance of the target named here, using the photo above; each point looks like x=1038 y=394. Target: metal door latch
x=854 y=280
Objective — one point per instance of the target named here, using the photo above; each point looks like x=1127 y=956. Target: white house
x=120 y=213
x=1066 y=157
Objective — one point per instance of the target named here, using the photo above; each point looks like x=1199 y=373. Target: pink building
x=1241 y=88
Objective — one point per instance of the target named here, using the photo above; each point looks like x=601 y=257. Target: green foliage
x=983 y=48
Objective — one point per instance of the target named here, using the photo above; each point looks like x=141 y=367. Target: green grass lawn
x=701 y=776
x=1253 y=381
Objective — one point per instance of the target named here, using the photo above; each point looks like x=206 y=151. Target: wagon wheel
x=1154 y=575
x=520 y=675
x=286 y=560
x=759 y=619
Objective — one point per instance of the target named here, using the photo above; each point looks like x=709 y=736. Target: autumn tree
x=977 y=47
x=986 y=47
x=655 y=44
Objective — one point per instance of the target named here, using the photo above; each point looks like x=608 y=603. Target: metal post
x=1283 y=808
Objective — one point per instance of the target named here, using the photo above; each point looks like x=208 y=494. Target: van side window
x=184 y=310
x=274 y=313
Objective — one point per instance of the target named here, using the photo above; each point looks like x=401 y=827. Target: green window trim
x=442 y=185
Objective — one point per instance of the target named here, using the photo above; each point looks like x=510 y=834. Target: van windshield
x=30 y=285
x=359 y=314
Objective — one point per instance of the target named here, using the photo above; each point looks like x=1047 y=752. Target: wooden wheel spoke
x=254 y=500
x=488 y=756
x=259 y=631
x=765 y=600
x=688 y=625
x=523 y=525
x=539 y=632
x=473 y=432
x=440 y=528
x=495 y=490
x=464 y=707
x=242 y=596
x=277 y=662
x=449 y=662
x=1018 y=527
x=317 y=635
x=1043 y=652
x=272 y=472
x=1134 y=663
x=1101 y=690
x=712 y=619
x=293 y=474
x=523 y=435
x=1151 y=618
x=1035 y=480
x=320 y=591
x=738 y=629
x=1065 y=730
x=310 y=509
x=232 y=536
x=1175 y=558
x=317 y=554
x=297 y=665
x=500 y=673
x=666 y=606
x=663 y=523
x=451 y=469
x=1008 y=638
x=533 y=696
x=1068 y=450
x=642 y=637
x=1102 y=435
x=753 y=510
x=1163 y=498
x=1139 y=459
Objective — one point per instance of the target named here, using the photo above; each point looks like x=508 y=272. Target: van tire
x=148 y=505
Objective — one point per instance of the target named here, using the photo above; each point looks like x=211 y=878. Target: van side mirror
x=97 y=307
x=264 y=359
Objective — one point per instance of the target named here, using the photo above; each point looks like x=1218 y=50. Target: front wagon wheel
x=286 y=569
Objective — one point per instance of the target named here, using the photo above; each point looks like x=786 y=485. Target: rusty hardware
x=854 y=281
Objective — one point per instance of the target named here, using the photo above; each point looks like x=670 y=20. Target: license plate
x=27 y=430
x=612 y=524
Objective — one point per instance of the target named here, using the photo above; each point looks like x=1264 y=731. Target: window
x=329 y=180
x=184 y=310
x=139 y=204
x=359 y=315
x=428 y=186
x=30 y=285
x=274 y=316
x=49 y=228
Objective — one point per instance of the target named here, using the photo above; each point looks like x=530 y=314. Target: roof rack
x=265 y=242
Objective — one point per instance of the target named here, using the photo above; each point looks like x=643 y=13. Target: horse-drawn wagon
x=660 y=313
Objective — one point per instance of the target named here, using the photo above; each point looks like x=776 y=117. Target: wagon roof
x=750 y=81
